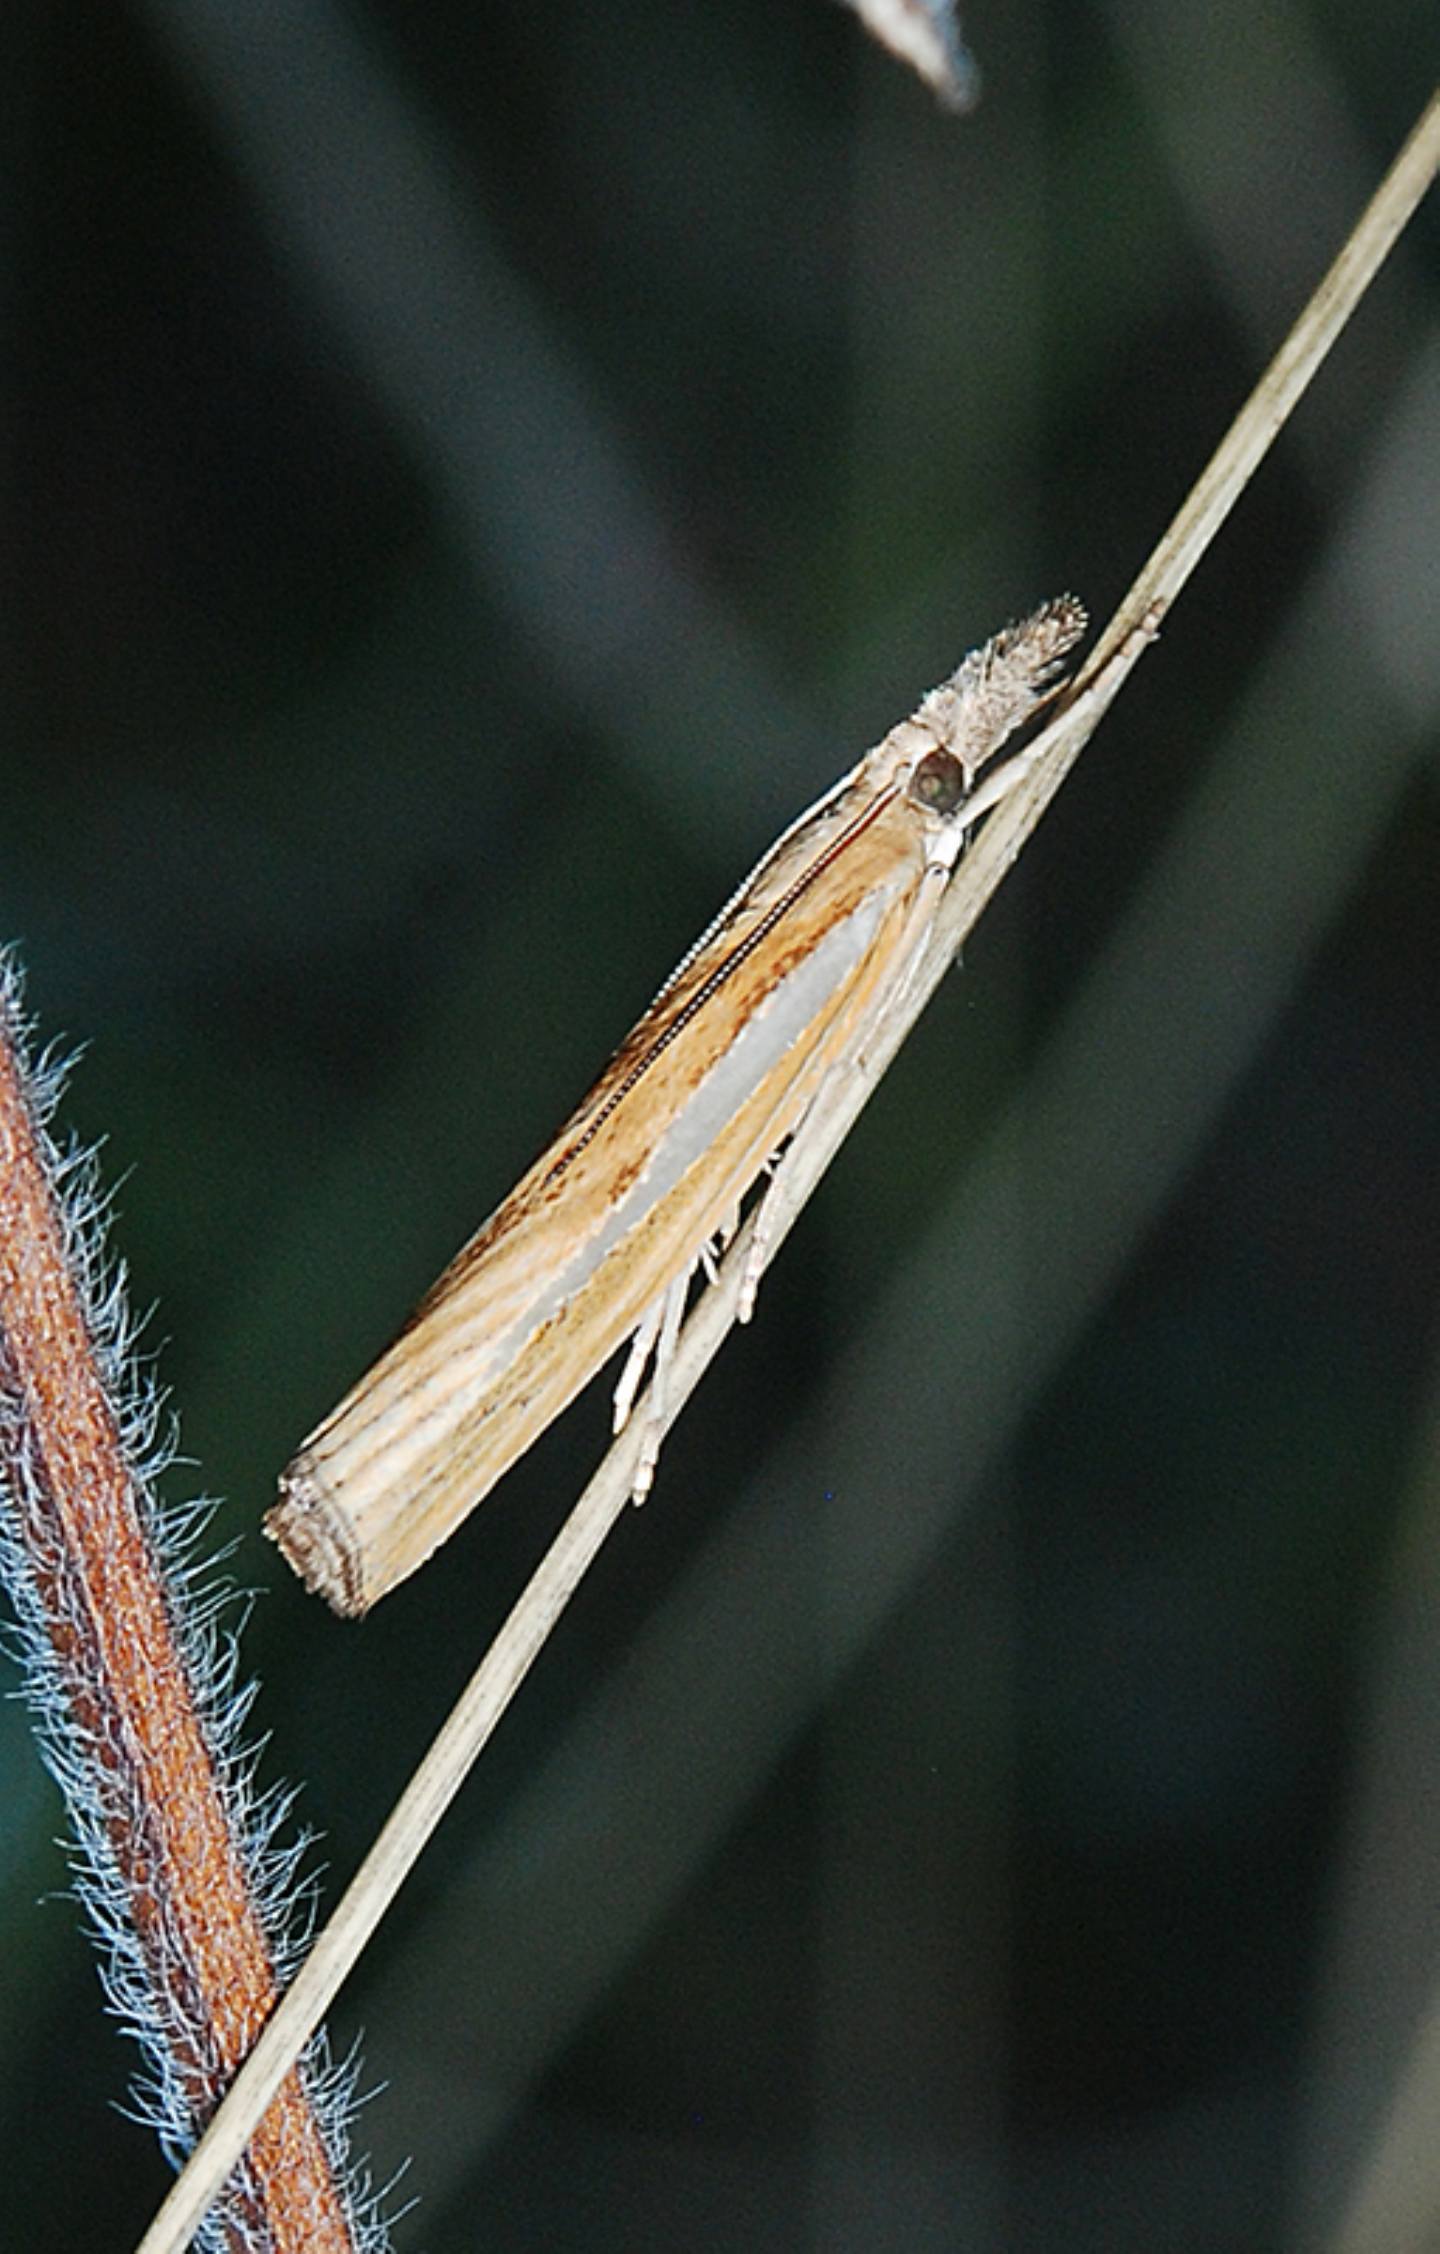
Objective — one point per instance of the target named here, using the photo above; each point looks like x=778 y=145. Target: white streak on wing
x=773 y=1028
x=765 y=1037
x=454 y=1390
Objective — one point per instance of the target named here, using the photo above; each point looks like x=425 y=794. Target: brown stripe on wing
x=690 y=1024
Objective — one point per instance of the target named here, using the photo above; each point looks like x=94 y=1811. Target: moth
x=598 y=1243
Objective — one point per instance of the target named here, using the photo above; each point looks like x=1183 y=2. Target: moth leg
x=713 y=1250
x=632 y=1376
x=758 y=1250
x=671 y=1310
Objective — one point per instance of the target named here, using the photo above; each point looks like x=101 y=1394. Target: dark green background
x=472 y=474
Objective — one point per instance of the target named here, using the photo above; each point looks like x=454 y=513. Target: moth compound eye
x=938 y=782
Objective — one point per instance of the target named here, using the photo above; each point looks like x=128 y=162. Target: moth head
x=962 y=725
x=1003 y=684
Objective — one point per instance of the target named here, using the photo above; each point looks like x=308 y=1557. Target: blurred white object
x=925 y=34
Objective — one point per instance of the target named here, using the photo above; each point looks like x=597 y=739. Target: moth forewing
x=596 y=1241
x=569 y=1266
